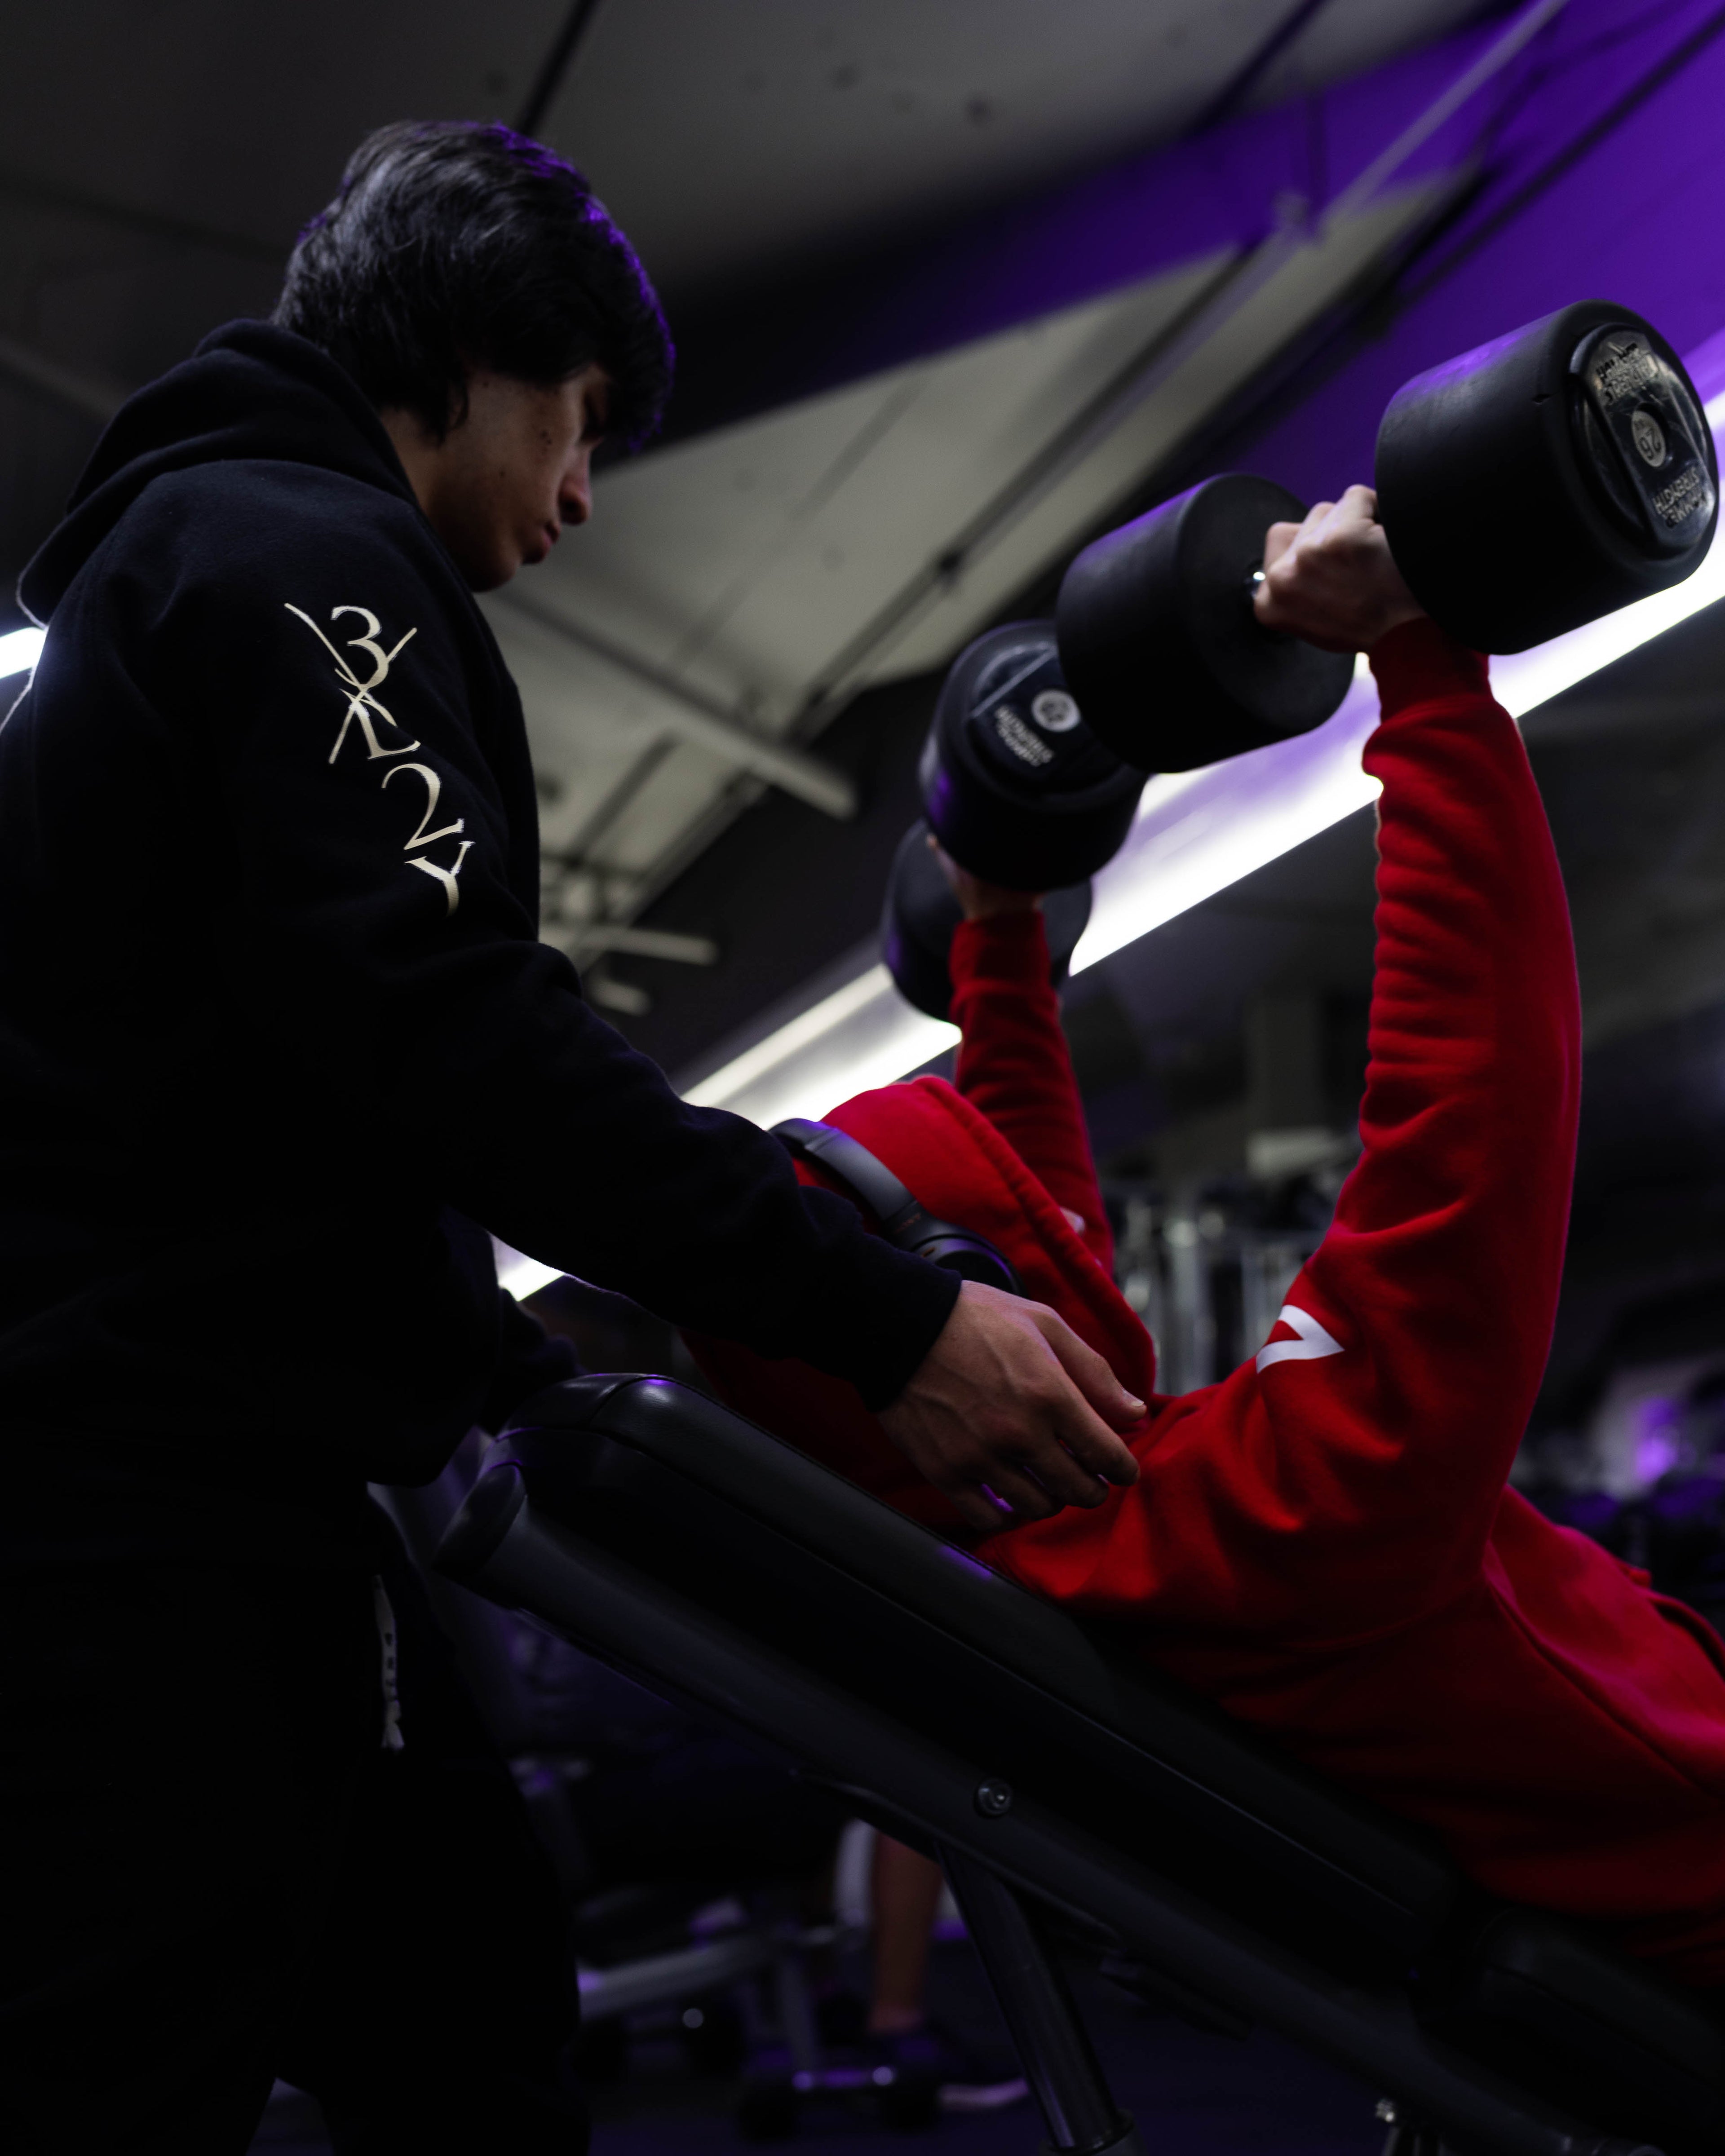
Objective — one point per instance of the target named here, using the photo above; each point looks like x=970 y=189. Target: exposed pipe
x=1497 y=56
x=670 y=943
x=1637 y=93
x=555 y=65
x=1240 y=85
x=693 y=717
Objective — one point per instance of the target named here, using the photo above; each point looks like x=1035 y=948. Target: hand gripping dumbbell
x=1017 y=790
x=1530 y=485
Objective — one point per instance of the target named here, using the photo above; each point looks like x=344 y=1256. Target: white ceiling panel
x=686 y=786
x=744 y=561
x=588 y=724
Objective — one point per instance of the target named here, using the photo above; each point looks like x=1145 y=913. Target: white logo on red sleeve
x=1312 y=1344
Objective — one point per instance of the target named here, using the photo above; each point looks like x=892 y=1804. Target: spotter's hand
x=1333 y=580
x=1010 y=1401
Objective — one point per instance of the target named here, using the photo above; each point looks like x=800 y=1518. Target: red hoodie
x=1323 y=1544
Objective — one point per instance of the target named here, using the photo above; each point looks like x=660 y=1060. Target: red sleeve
x=1347 y=1478
x=1014 y=1066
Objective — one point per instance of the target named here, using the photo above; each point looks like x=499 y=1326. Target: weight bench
x=1058 y=1778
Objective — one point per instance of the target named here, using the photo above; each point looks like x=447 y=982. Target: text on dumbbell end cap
x=1631 y=366
x=1014 y=734
x=1689 y=492
x=1648 y=436
x=1645 y=409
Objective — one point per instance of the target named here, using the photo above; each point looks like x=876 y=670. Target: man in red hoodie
x=1324 y=1542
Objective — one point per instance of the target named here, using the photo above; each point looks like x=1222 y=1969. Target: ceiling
x=684 y=652
x=766 y=571
x=764 y=133
x=739 y=587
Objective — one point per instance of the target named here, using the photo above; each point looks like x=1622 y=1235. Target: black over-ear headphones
x=903 y=1221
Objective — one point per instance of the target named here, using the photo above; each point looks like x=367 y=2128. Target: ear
x=459 y=407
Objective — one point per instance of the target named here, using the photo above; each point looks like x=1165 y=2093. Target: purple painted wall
x=1637 y=215
x=1155 y=213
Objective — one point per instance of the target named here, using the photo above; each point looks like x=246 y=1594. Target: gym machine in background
x=1528 y=486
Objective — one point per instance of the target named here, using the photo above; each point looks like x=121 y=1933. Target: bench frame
x=1008 y=1857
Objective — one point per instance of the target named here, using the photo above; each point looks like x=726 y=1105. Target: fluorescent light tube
x=521 y=1276
x=863 y=1035
x=1198 y=831
x=19 y=650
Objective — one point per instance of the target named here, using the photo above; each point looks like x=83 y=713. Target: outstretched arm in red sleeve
x=1347 y=1477
x=1014 y=1066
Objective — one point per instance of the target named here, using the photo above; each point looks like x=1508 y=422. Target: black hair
x=453 y=245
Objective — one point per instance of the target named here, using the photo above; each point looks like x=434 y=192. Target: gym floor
x=1192 y=2094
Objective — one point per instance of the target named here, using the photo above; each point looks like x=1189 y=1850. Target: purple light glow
x=1658 y=1437
x=965 y=1561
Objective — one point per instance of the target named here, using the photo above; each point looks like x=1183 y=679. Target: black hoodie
x=276 y=1028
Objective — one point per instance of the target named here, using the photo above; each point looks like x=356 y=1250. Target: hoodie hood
x=250 y=390
x=959 y=1165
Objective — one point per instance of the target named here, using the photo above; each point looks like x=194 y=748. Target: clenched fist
x=1333 y=580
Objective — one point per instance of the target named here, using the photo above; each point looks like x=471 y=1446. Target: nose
x=575 y=493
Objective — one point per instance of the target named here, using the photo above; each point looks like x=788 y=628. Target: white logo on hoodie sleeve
x=362 y=708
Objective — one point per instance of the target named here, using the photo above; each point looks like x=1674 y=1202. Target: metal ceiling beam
x=184 y=232
x=611 y=995
x=1235 y=92
x=92 y=395
x=647 y=942
x=693 y=717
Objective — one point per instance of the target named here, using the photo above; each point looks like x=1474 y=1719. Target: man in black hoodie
x=279 y=1046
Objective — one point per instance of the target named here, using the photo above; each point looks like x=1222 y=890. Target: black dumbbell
x=1015 y=785
x=1159 y=640
x=921 y=914
x=1019 y=791
x=1548 y=479
x=1530 y=485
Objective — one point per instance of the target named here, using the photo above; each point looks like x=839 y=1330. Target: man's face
x=501 y=486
